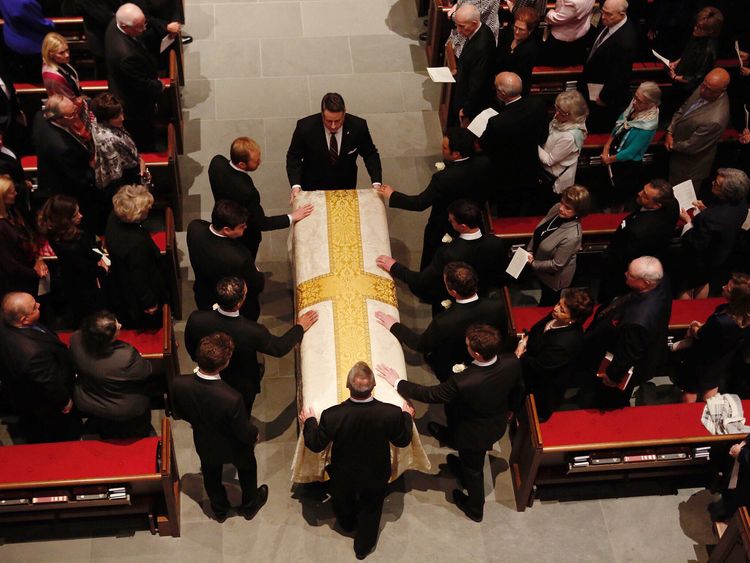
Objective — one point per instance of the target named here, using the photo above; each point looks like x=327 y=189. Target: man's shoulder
x=309 y=122
x=218 y=162
x=198 y=227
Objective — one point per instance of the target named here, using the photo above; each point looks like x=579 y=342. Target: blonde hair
x=5 y=184
x=132 y=203
x=572 y=102
x=53 y=42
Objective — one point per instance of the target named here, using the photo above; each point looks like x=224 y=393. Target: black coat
x=38 y=373
x=249 y=337
x=548 y=363
x=488 y=255
x=133 y=72
x=521 y=60
x=222 y=430
x=443 y=343
x=467 y=179
x=512 y=140
x=612 y=65
x=136 y=279
x=9 y=107
x=238 y=186
x=477 y=401
x=474 y=89
x=361 y=434
x=214 y=257
x=714 y=231
x=308 y=163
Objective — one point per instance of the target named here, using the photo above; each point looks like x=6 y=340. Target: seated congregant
x=111 y=383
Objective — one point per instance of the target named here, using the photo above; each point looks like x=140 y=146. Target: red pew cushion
x=147 y=342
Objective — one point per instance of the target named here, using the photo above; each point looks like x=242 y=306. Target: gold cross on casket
x=347 y=286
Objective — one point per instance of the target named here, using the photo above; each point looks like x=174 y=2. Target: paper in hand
x=737 y=49
x=594 y=91
x=517 y=263
x=166 y=41
x=665 y=60
x=685 y=194
x=440 y=74
x=479 y=123
x=747 y=115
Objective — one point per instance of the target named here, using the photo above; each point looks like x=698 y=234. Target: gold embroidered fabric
x=334 y=252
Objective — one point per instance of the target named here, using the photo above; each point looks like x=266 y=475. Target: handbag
x=546 y=180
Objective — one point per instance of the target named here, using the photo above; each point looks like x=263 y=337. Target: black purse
x=546 y=180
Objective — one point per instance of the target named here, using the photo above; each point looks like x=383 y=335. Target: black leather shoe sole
x=461 y=499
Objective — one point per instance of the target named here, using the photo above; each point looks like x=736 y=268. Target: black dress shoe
x=437 y=431
x=220 y=516
x=250 y=509
x=462 y=501
x=187 y=39
x=362 y=554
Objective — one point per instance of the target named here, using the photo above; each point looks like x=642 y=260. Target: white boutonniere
x=446 y=303
x=440 y=166
x=458 y=368
x=446 y=238
x=215 y=307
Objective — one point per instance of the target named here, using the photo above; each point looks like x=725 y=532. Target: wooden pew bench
x=157 y=345
x=585 y=447
x=145 y=468
x=734 y=539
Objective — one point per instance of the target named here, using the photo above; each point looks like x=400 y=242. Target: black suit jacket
x=714 y=232
x=548 y=363
x=477 y=401
x=475 y=74
x=308 y=163
x=443 y=343
x=612 y=65
x=63 y=164
x=110 y=387
x=38 y=370
x=236 y=185
x=361 y=434
x=214 y=257
x=488 y=255
x=222 y=431
x=249 y=337
x=9 y=107
x=136 y=279
x=512 y=138
x=133 y=72
x=468 y=179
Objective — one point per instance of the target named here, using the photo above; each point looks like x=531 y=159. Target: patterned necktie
x=599 y=40
x=333 y=150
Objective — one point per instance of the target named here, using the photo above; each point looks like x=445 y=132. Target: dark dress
x=17 y=256
x=520 y=60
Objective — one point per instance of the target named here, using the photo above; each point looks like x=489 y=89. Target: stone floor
x=254 y=69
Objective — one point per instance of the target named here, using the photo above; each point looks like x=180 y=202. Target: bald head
x=508 y=86
x=714 y=84
x=613 y=12
x=131 y=19
x=466 y=19
x=644 y=274
x=19 y=309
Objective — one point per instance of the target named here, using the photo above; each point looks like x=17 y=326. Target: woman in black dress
x=548 y=352
x=82 y=264
x=517 y=49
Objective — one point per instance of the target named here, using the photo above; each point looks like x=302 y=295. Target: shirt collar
x=471 y=236
x=462 y=159
x=214 y=231
x=475 y=32
x=471 y=299
x=233 y=165
x=485 y=364
x=616 y=27
x=10 y=153
x=227 y=313
x=367 y=400
x=511 y=101
x=207 y=377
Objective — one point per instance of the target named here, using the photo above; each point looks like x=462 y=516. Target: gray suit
x=555 y=259
x=695 y=138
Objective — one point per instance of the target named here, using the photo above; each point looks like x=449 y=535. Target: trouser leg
x=472 y=462
x=344 y=502
x=247 y=473
x=215 y=490
x=369 y=510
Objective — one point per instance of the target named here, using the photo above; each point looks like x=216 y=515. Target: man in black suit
x=647 y=231
x=477 y=402
x=362 y=430
x=12 y=119
x=243 y=372
x=465 y=176
x=64 y=160
x=216 y=251
x=133 y=72
x=475 y=67
x=324 y=148
x=633 y=329
x=38 y=373
x=609 y=64
x=511 y=141
x=222 y=432
x=487 y=254
x=443 y=344
x=230 y=179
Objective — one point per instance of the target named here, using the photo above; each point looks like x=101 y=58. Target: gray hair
x=132 y=203
x=468 y=13
x=128 y=14
x=360 y=380
x=647 y=268
x=735 y=185
x=651 y=91
x=573 y=103
x=619 y=5
x=52 y=107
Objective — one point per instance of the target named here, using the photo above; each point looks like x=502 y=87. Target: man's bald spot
x=129 y=14
x=718 y=79
x=467 y=13
x=16 y=305
x=620 y=6
x=509 y=83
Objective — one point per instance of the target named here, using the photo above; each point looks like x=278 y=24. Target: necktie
x=333 y=149
x=599 y=40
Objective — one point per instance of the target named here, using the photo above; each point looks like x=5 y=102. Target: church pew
x=734 y=539
x=157 y=345
x=147 y=469
x=668 y=440
x=684 y=311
